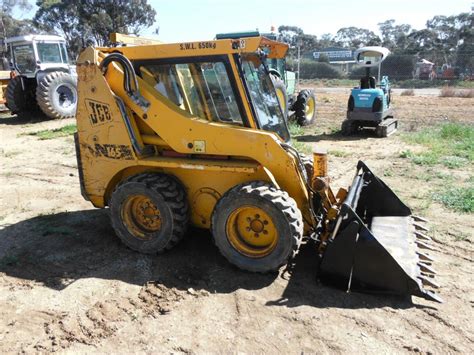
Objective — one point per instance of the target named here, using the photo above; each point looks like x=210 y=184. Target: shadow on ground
x=58 y=249
x=336 y=136
x=6 y=118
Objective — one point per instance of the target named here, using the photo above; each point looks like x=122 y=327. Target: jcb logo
x=99 y=112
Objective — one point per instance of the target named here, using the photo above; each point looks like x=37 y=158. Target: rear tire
x=305 y=107
x=149 y=212
x=18 y=100
x=280 y=89
x=257 y=227
x=56 y=95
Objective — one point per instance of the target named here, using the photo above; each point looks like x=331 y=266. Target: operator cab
x=206 y=87
x=33 y=53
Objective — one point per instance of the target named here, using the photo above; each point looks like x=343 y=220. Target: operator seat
x=367 y=82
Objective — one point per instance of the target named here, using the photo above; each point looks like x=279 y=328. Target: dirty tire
x=285 y=217
x=305 y=107
x=56 y=95
x=280 y=89
x=349 y=127
x=168 y=196
x=16 y=98
x=307 y=162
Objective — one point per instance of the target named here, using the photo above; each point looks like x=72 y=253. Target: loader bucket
x=377 y=244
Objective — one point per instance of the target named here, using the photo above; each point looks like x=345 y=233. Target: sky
x=200 y=20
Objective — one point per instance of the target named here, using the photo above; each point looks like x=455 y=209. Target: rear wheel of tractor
x=257 y=227
x=16 y=97
x=149 y=212
x=349 y=127
x=56 y=95
x=282 y=96
x=305 y=107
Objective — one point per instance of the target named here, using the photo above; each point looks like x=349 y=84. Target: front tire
x=56 y=95
x=305 y=107
x=257 y=227
x=149 y=212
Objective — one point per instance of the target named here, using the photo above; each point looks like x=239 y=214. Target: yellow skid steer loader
x=171 y=135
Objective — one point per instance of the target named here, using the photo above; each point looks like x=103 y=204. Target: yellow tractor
x=172 y=135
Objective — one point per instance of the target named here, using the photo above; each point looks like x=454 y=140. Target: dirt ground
x=67 y=284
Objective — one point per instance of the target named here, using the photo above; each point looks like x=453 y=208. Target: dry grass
x=408 y=92
x=449 y=91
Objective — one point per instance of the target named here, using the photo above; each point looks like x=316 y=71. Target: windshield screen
x=263 y=95
x=201 y=88
x=24 y=58
x=49 y=52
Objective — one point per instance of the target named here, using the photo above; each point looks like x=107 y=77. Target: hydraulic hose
x=130 y=82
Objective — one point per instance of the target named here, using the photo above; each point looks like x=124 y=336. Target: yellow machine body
x=193 y=133
x=213 y=156
x=4 y=79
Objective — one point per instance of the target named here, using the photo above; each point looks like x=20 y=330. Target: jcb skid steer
x=192 y=133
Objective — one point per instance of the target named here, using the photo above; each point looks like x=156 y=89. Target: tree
x=323 y=58
x=394 y=36
x=8 y=25
x=295 y=37
x=355 y=37
x=77 y=20
x=61 y=18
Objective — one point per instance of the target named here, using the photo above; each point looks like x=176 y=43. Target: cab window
x=24 y=58
x=49 y=52
x=202 y=89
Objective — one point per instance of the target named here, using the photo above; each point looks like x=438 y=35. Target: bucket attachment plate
x=376 y=244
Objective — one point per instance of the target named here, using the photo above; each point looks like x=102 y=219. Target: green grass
x=55 y=133
x=296 y=130
x=457 y=198
x=339 y=153
x=450 y=144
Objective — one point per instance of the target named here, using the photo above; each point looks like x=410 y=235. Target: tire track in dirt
x=106 y=317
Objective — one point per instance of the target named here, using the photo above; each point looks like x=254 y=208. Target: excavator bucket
x=377 y=245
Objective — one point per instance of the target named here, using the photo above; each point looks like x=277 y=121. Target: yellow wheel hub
x=141 y=216
x=310 y=107
x=251 y=231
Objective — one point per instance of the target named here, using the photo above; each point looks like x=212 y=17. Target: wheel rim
x=281 y=99
x=251 y=231
x=141 y=216
x=66 y=95
x=310 y=107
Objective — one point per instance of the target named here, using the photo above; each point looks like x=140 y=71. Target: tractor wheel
x=17 y=99
x=280 y=89
x=349 y=127
x=305 y=107
x=307 y=161
x=56 y=95
x=257 y=227
x=149 y=212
